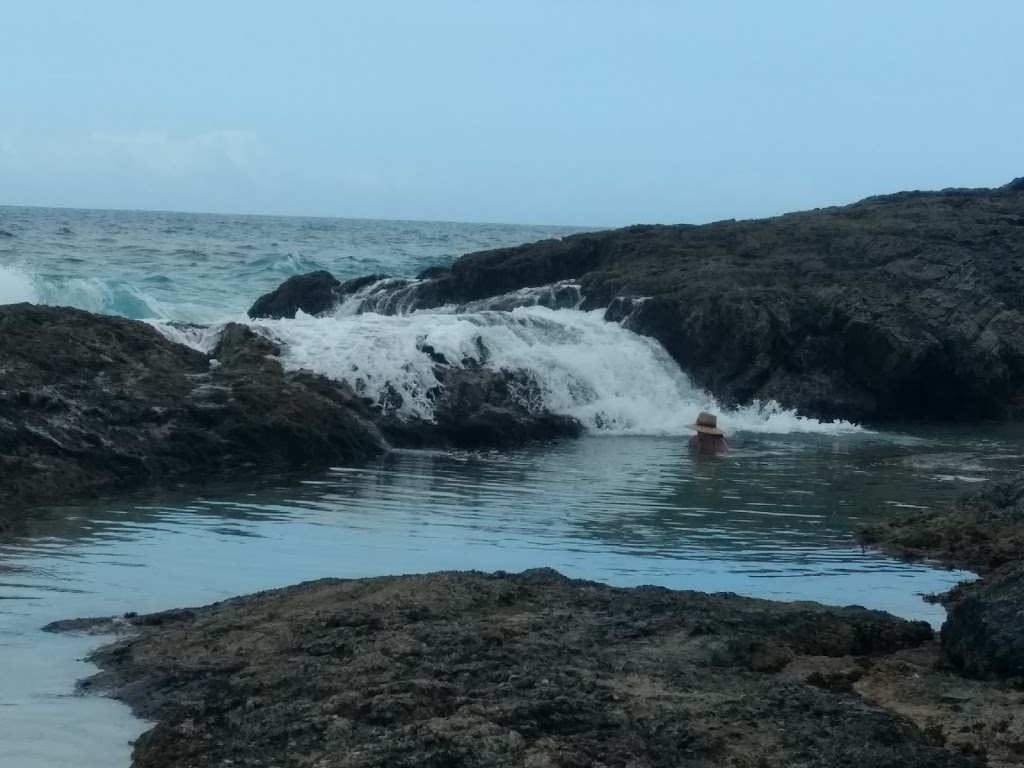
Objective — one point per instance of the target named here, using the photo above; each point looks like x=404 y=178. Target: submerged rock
x=313 y=293
x=984 y=633
x=898 y=307
x=531 y=669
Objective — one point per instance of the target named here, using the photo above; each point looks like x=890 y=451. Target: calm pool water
x=772 y=519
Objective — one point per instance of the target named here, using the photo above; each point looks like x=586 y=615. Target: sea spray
x=16 y=286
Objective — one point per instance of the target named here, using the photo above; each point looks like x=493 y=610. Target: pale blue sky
x=595 y=112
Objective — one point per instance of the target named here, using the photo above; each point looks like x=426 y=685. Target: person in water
x=709 y=438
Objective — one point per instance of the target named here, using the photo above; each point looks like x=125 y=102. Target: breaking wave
x=612 y=380
x=110 y=297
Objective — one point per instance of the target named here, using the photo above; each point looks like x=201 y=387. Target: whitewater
x=190 y=274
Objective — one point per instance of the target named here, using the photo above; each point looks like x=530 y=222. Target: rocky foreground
x=907 y=306
x=533 y=669
x=982 y=531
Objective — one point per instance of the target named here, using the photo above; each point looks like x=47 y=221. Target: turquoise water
x=625 y=505
x=202 y=267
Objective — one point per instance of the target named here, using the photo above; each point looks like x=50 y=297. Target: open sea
x=625 y=504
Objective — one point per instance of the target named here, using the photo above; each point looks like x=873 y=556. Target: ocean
x=625 y=504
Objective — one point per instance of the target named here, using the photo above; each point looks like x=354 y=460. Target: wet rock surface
x=897 y=307
x=313 y=293
x=984 y=633
x=531 y=669
x=475 y=408
x=982 y=531
x=91 y=404
x=95 y=405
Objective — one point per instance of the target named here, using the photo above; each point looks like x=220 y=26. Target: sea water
x=626 y=504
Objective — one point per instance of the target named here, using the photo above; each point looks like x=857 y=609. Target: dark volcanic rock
x=358 y=283
x=469 y=669
x=475 y=408
x=984 y=632
x=898 y=307
x=982 y=530
x=313 y=293
x=94 y=404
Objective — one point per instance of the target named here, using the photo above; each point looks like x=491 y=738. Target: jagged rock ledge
x=983 y=531
x=907 y=306
x=534 y=669
x=98 y=405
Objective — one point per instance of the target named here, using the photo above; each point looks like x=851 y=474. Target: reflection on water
x=772 y=519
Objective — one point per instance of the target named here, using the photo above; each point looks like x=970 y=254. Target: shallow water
x=772 y=519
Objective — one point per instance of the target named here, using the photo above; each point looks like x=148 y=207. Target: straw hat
x=706 y=423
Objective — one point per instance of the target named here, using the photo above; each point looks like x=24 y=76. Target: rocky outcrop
x=531 y=669
x=984 y=633
x=984 y=531
x=898 y=307
x=477 y=408
x=92 y=404
x=312 y=293
x=981 y=531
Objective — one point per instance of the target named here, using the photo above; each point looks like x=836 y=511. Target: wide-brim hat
x=706 y=423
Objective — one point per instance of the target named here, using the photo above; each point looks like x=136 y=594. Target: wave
x=284 y=265
x=16 y=286
x=111 y=297
x=612 y=380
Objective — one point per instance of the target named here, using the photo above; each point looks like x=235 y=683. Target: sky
x=586 y=112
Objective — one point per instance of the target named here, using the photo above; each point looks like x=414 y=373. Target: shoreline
x=538 y=669
x=420 y=669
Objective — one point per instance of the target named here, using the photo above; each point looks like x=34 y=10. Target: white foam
x=16 y=286
x=612 y=380
x=199 y=337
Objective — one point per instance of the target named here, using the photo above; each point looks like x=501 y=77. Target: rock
x=503 y=670
x=981 y=531
x=94 y=404
x=907 y=306
x=313 y=293
x=984 y=633
x=358 y=283
x=239 y=347
x=482 y=408
x=984 y=531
